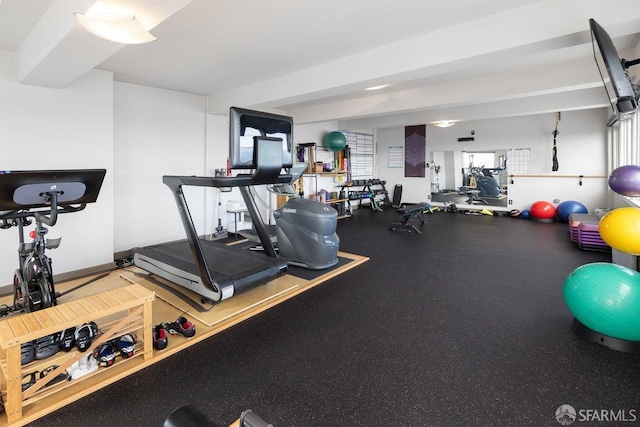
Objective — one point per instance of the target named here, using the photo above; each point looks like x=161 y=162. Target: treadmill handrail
x=175 y=184
x=209 y=181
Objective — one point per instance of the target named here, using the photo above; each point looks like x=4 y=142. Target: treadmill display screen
x=245 y=124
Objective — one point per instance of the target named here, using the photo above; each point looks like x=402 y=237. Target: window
x=479 y=159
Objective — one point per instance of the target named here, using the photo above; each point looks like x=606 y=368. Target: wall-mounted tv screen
x=246 y=124
x=617 y=83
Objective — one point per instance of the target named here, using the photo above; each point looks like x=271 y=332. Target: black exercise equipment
x=474 y=197
x=208 y=268
x=481 y=184
x=190 y=263
x=397 y=195
x=409 y=213
x=41 y=195
x=188 y=416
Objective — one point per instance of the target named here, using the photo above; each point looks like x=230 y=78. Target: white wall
x=69 y=128
x=414 y=189
x=157 y=132
x=313 y=132
x=140 y=134
x=581 y=151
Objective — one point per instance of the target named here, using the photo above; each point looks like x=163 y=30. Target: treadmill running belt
x=231 y=267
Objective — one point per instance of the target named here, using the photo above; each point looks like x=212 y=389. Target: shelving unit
x=116 y=312
x=341 y=204
x=320 y=159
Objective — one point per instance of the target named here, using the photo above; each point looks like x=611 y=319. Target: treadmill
x=208 y=268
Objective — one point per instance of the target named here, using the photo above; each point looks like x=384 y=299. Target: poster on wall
x=519 y=161
x=396 y=157
x=415 y=143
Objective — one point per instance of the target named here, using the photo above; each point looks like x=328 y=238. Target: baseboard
x=70 y=275
x=124 y=254
x=77 y=274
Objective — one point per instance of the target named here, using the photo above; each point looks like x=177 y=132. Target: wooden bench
x=130 y=305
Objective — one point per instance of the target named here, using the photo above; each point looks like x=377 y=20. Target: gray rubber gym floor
x=463 y=325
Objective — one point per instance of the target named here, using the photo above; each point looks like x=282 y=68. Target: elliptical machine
x=49 y=193
x=305 y=229
x=485 y=182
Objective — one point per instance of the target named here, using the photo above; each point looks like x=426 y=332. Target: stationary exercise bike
x=40 y=196
x=33 y=287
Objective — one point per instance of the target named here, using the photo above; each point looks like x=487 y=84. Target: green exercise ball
x=605 y=297
x=334 y=141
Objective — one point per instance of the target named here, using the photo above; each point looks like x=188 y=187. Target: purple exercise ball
x=625 y=180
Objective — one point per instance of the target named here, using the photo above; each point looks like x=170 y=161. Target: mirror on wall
x=469 y=177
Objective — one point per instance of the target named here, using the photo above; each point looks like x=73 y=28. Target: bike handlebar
x=39 y=215
x=53 y=218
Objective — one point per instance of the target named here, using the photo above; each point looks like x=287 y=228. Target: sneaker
x=84 y=336
x=181 y=327
x=105 y=354
x=67 y=339
x=160 y=338
x=126 y=344
x=46 y=347
x=27 y=352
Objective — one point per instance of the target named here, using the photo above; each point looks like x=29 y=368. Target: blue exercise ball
x=605 y=297
x=526 y=214
x=334 y=141
x=566 y=208
x=625 y=180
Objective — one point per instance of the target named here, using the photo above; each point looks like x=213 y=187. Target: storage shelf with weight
x=368 y=189
x=340 y=202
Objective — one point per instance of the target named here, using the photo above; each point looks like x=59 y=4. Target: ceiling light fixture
x=116 y=28
x=377 y=87
x=443 y=123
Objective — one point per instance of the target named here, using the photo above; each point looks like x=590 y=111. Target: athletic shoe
x=160 y=338
x=84 y=336
x=105 y=354
x=27 y=352
x=126 y=344
x=181 y=327
x=46 y=346
x=67 y=339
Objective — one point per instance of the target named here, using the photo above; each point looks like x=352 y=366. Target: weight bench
x=409 y=213
x=474 y=195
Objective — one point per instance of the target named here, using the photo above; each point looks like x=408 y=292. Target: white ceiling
x=455 y=59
